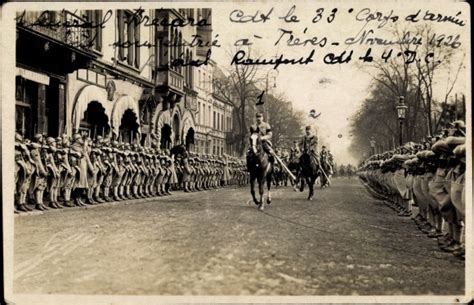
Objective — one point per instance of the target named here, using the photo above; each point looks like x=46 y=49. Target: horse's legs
x=301 y=180
x=269 y=185
x=252 y=189
x=260 y=191
x=310 y=181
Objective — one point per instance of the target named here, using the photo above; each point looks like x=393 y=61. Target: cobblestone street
x=343 y=242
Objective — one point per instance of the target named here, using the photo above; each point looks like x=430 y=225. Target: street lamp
x=401 y=113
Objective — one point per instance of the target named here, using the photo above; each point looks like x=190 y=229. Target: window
x=203 y=114
x=209 y=117
x=95 y=33
x=198 y=115
x=129 y=36
x=214 y=120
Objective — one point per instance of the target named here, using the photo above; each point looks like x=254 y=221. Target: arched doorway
x=95 y=121
x=176 y=132
x=190 y=140
x=128 y=130
x=165 y=137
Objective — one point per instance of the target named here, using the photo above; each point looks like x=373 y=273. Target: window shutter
x=137 y=40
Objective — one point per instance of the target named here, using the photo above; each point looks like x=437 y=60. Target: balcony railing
x=63 y=26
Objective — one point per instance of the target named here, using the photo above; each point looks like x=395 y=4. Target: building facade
x=214 y=119
x=105 y=79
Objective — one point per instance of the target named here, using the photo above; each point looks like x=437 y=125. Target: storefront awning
x=33 y=76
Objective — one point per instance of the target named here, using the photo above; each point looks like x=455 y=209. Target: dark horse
x=260 y=169
x=326 y=175
x=309 y=167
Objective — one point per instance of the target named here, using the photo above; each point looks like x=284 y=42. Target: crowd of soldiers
x=53 y=173
x=429 y=175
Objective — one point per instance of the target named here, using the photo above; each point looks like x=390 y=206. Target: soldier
x=99 y=163
x=187 y=172
x=71 y=179
x=38 y=154
x=265 y=131
x=309 y=143
x=52 y=164
x=78 y=146
x=25 y=172
x=93 y=174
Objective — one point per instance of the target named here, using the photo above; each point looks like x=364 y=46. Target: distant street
x=343 y=242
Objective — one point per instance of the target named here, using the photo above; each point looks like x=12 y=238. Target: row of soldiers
x=78 y=171
x=430 y=175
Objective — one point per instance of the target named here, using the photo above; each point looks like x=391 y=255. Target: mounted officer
x=309 y=143
x=265 y=131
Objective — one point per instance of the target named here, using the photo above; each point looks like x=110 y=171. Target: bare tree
x=238 y=86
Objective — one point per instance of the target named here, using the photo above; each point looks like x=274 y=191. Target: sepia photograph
x=237 y=152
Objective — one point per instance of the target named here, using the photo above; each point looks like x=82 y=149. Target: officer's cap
x=259 y=115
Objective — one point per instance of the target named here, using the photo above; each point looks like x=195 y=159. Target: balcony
x=170 y=80
x=63 y=26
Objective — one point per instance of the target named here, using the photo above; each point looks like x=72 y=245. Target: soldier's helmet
x=76 y=137
x=50 y=141
x=459 y=124
x=18 y=137
x=38 y=137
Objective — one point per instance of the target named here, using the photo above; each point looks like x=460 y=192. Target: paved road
x=213 y=243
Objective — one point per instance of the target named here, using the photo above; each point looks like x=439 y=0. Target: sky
x=336 y=91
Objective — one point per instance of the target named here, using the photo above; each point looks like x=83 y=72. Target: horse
x=260 y=169
x=310 y=171
x=293 y=165
x=325 y=177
